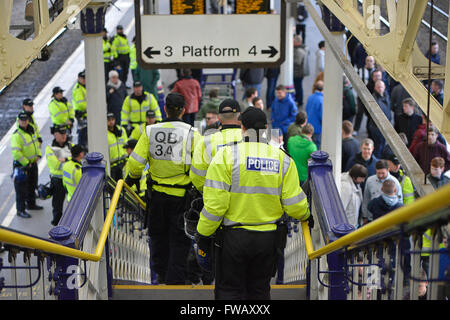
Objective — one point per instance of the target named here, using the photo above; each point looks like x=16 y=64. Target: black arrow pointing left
x=149 y=52
x=272 y=51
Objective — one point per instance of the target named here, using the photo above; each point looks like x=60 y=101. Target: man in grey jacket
x=373 y=185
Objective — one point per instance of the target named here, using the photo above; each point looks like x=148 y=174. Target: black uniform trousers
x=58 y=196
x=245 y=263
x=26 y=190
x=124 y=62
x=169 y=243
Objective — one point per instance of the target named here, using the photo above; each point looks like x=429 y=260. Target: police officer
x=135 y=107
x=133 y=61
x=248 y=186
x=108 y=53
x=61 y=111
x=150 y=118
x=57 y=154
x=167 y=147
x=28 y=107
x=405 y=181
x=79 y=105
x=72 y=170
x=26 y=152
x=117 y=138
x=230 y=131
x=121 y=52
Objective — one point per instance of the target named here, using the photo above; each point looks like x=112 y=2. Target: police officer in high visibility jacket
x=133 y=60
x=79 y=105
x=167 y=147
x=117 y=138
x=135 y=107
x=121 y=52
x=26 y=152
x=108 y=53
x=57 y=154
x=61 y=111
x=28 y=108
x=230 y=130
x=405 y=181
x=150 y=118
x=72 y=170
x=248 y=186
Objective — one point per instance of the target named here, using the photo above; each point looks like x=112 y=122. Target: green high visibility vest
x=71 y=176
x=60 y=112
x=25 y=147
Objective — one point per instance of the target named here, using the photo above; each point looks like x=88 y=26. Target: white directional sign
x=211 y=39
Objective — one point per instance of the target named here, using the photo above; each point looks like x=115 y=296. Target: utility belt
x=119 y=162
x=81 y=118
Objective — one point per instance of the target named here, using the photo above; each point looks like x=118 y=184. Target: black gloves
x=204 y=243
x=132 y=181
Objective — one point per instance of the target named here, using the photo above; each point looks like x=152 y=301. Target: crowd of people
x=373 y=182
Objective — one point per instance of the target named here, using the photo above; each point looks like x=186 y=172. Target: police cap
x=394 y=159
x=59 y=128
x=119 y=27
x=229 y=105
x=57 y=89
x=23 y=116
x=82 y=74
x=110 y=115
x=137 y=84
x=27 y=102
x=150 y=114
x=175 y=100
x=253 y=118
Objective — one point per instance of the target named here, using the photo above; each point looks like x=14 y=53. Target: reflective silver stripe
x=228 y=223
x=61 y=112
x=189 y=143
x=79 y=101
x=210 y=216
x=208 y=147
x=217 y=185
x=294 y=200
x=16 y=148
x=236 y=168
x=56 y=176
x=138 y=158
x=427 y=237
x=286 y=163
x=253 y=190
x=406 y=195
x=201 y=173
x=124 y=111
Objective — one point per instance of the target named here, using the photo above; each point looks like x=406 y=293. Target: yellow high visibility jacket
x=168 y=148
x=108 y=51
x=134 y=112
x=61 y=112
x=142 y=182
x=115 y=143
x=407 y=188
x=250 y=185
x=79 y=98
x=120 y=44
x=53 y=153
x=207 y=148
x=71 y=176
x=133 y=61
x=427 y=243
x=137 y=131
x=25 y=147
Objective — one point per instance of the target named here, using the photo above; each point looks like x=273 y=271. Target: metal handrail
x=21 y=240
x=420 y=208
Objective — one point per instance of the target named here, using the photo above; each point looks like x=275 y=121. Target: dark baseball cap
x=175 y=100
x=137 y=84
x=23 y=116
x=27 y=102
x=57 y=89
x=130 y=144
x=394 y=159
x=150 y=114
x=82 y=74
x=253 y=118
x=229 y=105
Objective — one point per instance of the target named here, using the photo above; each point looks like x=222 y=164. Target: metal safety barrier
x=104 y=216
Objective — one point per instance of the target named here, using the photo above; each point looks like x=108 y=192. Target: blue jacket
x=314 y=107
x=283 y=113
x=379 y=208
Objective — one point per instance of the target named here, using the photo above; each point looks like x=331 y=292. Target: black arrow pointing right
x=272 y=51
x=149 y=52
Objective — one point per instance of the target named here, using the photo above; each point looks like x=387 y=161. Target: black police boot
x=23 y=214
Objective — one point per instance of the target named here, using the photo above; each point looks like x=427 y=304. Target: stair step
x=195 y=292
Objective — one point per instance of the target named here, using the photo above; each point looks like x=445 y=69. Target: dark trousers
x=361 y=110
x=26 y=190
x=245 y=264
x=108 y=68
x=82 y=137
x=58 y=196
x=195 y=272
x=298 y=90
x=169 y=242
x=124 y=62
x=117 y=171
x=270 y=92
